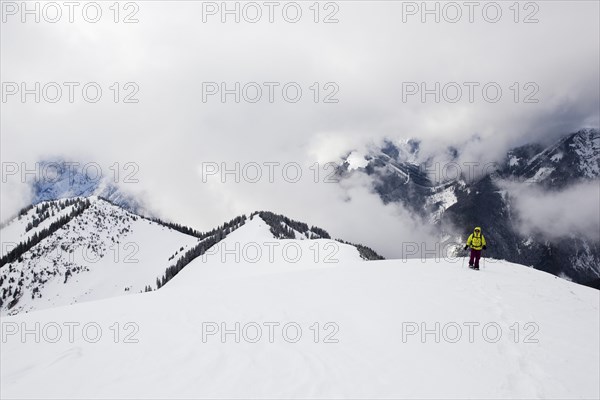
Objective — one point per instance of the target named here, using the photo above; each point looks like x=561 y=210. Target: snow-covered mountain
x=572 y=158
x=401 y=178
x=455 y=205
x=322 y=323
x=68 y=251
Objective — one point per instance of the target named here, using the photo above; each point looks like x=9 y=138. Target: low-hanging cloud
x=574 y=211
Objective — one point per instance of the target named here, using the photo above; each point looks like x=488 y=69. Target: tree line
x=177 y=227
x=365 y=252
x=283 y=227
x=21 y=248
x=210 y=239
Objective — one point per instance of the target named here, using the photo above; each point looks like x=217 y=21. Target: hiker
x=476 y=242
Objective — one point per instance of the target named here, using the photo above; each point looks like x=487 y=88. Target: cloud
x=558 y=214
x=368 y=56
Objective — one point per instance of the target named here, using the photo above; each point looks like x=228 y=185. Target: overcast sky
x=369 y=55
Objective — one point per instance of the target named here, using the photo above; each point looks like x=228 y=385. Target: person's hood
x=475 y=231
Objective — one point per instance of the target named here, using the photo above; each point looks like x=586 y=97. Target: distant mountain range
x=455 y=206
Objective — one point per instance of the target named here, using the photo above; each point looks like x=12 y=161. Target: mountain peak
x=572 y=158
x=61 y=252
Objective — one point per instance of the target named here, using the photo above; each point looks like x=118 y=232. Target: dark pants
x=475 y=256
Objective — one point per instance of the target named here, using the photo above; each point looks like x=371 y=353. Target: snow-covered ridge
x=32 y=220
x=283 y=227
x=253 y=249
x=574 y=157
x=587 y=146
x=104 y=251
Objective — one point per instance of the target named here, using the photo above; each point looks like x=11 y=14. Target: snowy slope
x=587 y=147
x=574 y=157
x=16 y=230
x=253 y=250
x=165 y=347
x=105 y=251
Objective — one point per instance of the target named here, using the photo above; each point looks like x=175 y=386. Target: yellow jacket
x=476 y=241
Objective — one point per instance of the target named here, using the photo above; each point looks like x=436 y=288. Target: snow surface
x=370 y=303
x=14 y=231
x=557 y=157
x=356 y=160
x=541 y=174
x=443 y=198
